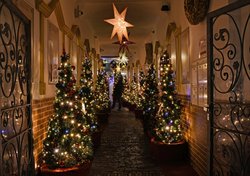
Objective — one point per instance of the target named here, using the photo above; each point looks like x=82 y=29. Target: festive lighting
x=57 y=148
x=119 y=23
x=83 y=108
x=118 y=68
x=123 y=59
x=168 y=123
x=86 y=94
x=124 y=45
x=102 y=92
x=150 y=99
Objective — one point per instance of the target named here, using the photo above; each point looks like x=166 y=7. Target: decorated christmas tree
x=141 y=78
x=86 y=95
x=133 y=91
x=168 y=122
x=150 y=100
x=68 y=142
x=126 y=92
x=140 y=90
x=102 y=100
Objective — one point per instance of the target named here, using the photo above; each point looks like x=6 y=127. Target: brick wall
x=41 y=112
x=196 y=131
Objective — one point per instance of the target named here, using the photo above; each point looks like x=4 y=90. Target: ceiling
x=143 y=14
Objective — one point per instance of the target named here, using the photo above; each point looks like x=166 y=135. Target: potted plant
x=67 y=148
x=150 y=100
x=139 y=97
x=167 y=142
x=87 y=98
x=102 y=100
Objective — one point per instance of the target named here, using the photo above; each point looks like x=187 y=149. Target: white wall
x=197 y=32
x=176 y=14
x=29 y=8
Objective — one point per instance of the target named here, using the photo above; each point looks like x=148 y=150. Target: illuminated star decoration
x=123 y=59
x=124 y=44
x=120 y=25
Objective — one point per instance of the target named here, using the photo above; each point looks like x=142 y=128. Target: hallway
x=124 y=151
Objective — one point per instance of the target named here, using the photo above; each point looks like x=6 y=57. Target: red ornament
x=71 y=93
x=70 y=84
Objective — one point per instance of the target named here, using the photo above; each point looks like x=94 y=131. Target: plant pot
x=132 y=107
x=125 y=103
x=162 y=152
x=108 y=110
x=96 y=139
x=138 y=113
x=81 y=170
x=102 y=117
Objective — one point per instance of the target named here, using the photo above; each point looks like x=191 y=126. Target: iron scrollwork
x=16 y=154
x=230 y=77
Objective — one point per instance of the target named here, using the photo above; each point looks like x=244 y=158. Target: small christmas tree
x=168 y=122
x=86 y=94
x=150 y=100
x=140 y=90
x=133 y=92
x=68 y=142
x=102 y=93
x=126 y=92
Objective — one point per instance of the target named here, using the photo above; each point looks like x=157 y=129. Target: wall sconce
x=165 y=6
x=78 y=12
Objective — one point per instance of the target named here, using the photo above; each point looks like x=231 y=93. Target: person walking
x=117 y=93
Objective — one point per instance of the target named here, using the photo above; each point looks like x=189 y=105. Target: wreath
x=196 y=10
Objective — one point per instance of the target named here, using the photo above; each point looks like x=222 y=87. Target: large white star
x=120 y=25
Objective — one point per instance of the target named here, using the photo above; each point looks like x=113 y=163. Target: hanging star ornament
x=123 y=59
x=119 y=23
x=124 y=44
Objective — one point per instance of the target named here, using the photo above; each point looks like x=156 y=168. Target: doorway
x=229 y=81
x=16 y=139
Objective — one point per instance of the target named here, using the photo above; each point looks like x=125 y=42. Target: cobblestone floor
x=123 y=150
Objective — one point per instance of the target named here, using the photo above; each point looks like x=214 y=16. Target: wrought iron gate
x=16 y=146
x=229 y=91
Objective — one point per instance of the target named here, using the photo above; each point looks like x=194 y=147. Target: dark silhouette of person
x=117 y=93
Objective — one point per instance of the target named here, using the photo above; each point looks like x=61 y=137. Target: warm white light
x=118 y=69
x=123 y=58
x=83 y=108
x=120 y=25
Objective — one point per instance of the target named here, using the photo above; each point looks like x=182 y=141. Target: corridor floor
x=124 y=150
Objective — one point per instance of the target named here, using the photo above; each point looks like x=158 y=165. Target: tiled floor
x=124 y=151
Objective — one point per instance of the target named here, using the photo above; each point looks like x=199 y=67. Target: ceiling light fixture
x=119 y=23
x=78 y=12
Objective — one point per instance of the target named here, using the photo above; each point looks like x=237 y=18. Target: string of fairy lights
x=69 y=138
